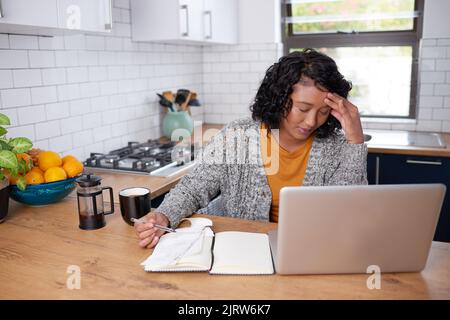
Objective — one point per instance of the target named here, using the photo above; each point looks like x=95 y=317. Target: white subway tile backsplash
x=443 y=64
x=100 y=103
x=101 y=133
x=4 y=41
x=44 y=95
x=108 y=87
x=22 y=131
x=61 y=143
x=57 y=110
x=49 y=129
x=432 y=77
x=426 y=89
x=445 y=126
x=42 y=59
x=51 y=43
x=15 y=97
x=433 y=52
x=427 y=65
x=87 y=58
x=33 y=114
x=77 y=74
x=23 y=42
x=97 y=73
x=27 y=77
x=429 y=125
x=441 y=114
x=442 y=89
x=92 y=120
x=248 y=56
x=96 y=43
x=6 y=79
x=68 y=92
x=80 y=107
x=89 y=89
x=13 y=59
x=66 y=58
x=71 y=125
x=75 y=42
x=82 y=138
x=54 y=76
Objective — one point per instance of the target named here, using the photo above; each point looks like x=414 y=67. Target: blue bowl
x=44 y=193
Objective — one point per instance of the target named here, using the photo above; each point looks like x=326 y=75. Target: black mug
x=134 y=203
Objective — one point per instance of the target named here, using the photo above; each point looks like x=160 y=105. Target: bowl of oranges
x=50 y=179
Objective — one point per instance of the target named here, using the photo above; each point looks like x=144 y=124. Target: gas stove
x=154 y=157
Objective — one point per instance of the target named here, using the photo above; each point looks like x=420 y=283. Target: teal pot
x=4 y=199
x=177 y=120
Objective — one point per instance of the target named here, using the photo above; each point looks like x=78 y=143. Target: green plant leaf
x=4 y=145
x=2 y=176
x=21 y=183
x=8 y=159
x=22 y=166
x=20 y=144
x=4 y=120
x=3 y=131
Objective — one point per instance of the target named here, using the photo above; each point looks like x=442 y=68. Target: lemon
x=54 y=174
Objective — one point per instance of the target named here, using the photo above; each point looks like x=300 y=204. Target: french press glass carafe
x=90 y=202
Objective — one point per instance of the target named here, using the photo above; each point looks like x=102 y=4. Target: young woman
x=303 y=131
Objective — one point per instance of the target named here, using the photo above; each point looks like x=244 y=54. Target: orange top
x=291 y=167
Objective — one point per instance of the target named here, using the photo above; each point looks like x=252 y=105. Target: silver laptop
x=347 y=229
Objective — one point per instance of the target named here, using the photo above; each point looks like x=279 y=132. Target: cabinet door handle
x=108 y=13
x=435 y=163
x=1 y=10
x=186 y=10
x=209 y=14
x=377 y=170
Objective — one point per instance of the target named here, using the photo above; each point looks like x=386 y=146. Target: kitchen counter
x=38 y=244
x=411 y=150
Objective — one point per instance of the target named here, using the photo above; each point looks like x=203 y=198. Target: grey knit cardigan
x=231 y=165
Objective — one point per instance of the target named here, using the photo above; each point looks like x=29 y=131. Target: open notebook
x=197 y=248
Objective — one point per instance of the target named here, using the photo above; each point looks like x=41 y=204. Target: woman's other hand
x=146 y=231
x=348 y=115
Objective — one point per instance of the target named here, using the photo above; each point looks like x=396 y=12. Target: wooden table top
x=38 y=244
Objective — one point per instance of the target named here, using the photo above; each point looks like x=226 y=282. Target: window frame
x=362 y=39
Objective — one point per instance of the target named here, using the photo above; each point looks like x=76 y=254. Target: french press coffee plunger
x=90 y=202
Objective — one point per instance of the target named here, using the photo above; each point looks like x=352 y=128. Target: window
x=375 y=44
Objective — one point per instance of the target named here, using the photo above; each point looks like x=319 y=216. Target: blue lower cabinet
x=398 y=169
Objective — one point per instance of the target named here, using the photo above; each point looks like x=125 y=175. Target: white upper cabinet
x=220 y=21
x=21 y=16
x=85 y=15
x=53 y=17
x=193 y=21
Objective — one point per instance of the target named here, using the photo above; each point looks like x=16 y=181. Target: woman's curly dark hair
x=273 y=102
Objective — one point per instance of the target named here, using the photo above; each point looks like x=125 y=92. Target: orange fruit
x=48 y=159
x=38 y=170
x=54 y=174
x=34 y=177
x=68 y=158
x=73 y=168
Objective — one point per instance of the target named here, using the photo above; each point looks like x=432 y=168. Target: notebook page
x=241 y=253
x=188 y=248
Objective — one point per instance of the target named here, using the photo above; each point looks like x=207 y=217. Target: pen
x=155 y=225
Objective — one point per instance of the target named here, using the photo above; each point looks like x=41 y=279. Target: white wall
x=436 y=19
x=91 y=93
x=259 y=21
